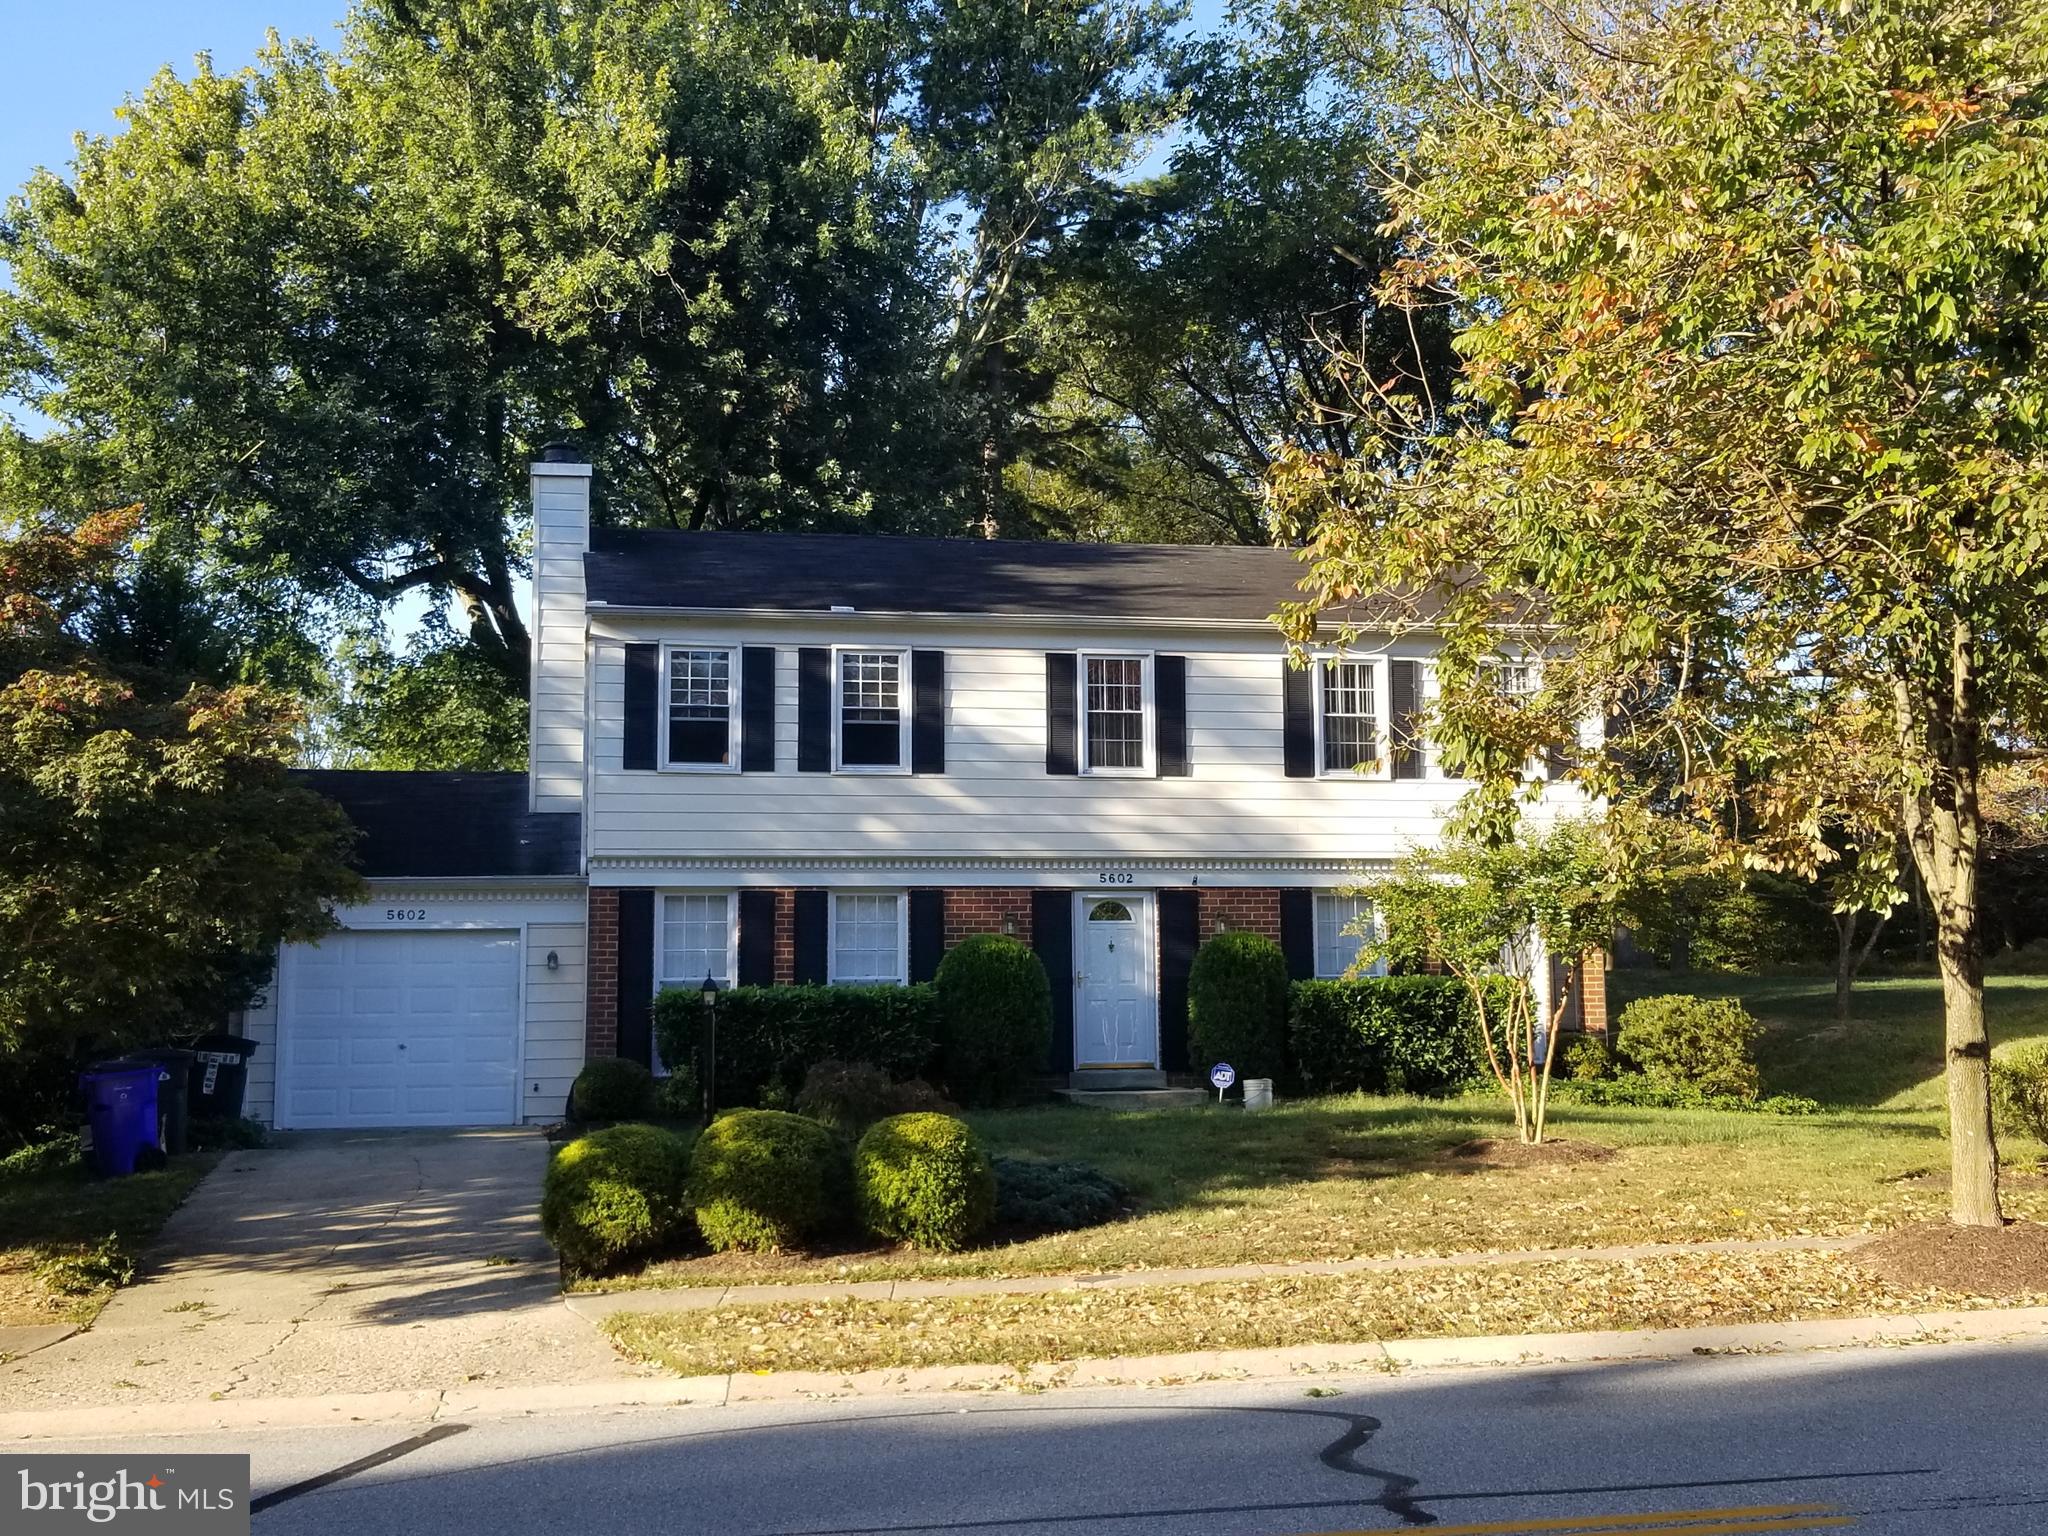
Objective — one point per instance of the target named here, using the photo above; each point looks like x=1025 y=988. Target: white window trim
x=905 y=708
x=734 y=666
x=1148 y=723
x=732 y=940
x=902 y=977
x=1382 y=714
x=1323 y=972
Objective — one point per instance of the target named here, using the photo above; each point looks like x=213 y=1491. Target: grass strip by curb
x=1018 y=1330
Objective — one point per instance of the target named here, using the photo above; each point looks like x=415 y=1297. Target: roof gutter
x=1030 y=621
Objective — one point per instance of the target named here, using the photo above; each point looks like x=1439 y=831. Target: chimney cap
x=562 y=452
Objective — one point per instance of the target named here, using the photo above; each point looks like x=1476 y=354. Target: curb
x=16 y=1343
x=1399 y=1357
x=598 y=1305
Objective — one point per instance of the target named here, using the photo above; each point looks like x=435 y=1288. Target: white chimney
x=561 y=535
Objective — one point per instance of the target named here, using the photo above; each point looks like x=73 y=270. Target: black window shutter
x=927 y=933
x=1404 y=698
x=757 y=939
x=1052 y=935
x=814 y=710
x=1060 y=672
x=812 y=930
x=643 y=704
x=636 y=976
x=927 y=711
x=757 y=709
x=1170 y=697
x=1298 y=724
x=1298 y=933
x=1180 y=935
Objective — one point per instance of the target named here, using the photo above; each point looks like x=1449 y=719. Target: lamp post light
x=710 y=1047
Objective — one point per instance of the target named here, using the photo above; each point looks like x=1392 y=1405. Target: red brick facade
x=1592 y=976
x=785 y=938
x=601 y=1019
x=984 y=909
x=1239 y=911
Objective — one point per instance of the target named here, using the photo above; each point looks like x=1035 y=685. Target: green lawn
x=93 y=1227
x=1334 y=1178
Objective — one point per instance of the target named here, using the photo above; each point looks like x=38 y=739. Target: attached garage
x=454 y=994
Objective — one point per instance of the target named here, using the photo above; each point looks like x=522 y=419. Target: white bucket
x=1258 y=1093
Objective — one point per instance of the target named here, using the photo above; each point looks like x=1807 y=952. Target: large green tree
x=1754 y=327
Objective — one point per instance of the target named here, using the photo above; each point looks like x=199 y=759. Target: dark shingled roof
x=889 y=573
x=448 y=826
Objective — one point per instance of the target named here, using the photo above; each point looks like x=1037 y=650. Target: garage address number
x=405 y=914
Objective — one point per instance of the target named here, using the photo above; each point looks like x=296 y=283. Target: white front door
x=397 y=1028
x=1116 y=1011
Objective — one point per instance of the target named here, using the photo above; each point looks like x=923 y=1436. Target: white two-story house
x=781 y=758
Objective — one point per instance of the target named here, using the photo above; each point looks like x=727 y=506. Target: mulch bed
x=1971 y=1261
x=1498 y=1152
x=2008 y=1178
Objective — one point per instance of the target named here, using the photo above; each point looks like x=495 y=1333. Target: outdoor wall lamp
x=554 y=961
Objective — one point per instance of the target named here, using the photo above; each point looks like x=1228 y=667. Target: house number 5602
x=405 y=914
x=1115 y=877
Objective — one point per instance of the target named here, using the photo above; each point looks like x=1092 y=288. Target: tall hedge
x=769 y=1038
x=1237 y=1005
x=1387 y=1034
x=995 y=1017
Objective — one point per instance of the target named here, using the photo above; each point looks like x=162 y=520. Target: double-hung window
x=1342 y=926
x=1116 y=698
x=703 y=707
x=873 y=717
x=698 y=939
x=1349 y=714
x=868 y=938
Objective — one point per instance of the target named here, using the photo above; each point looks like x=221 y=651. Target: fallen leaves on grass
x=1018 y=1330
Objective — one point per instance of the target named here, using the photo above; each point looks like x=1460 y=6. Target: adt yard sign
x=1221 y=1076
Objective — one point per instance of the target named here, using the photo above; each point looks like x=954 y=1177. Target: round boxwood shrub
x=1237 y=1005
x=1680 y=1041
x=995 y=1017
x=764 y=1179
x=617 y=1194
x=924 y=1179
x=612 y=1088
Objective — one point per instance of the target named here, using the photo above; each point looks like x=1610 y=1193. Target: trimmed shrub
x=1055 y=1197
x=1388 y=1034
x=677 y=1096
x=2019 y=1091
x=923 y=1179
x=764 y=1179
x=770 y=1037
x=617 y=1194
x=1680 y=1041
x=1587 y=1058
x=995 y=1018
x=611 y=1088
x=1237 y=1005
x=63 y=1150
x=850 y=1096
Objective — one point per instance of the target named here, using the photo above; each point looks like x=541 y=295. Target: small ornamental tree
x=1484 y=909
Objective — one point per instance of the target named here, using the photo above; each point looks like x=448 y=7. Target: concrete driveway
x=338 y=1262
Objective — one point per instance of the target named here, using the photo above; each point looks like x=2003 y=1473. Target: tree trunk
x=1845 y=948
x=1944 y=827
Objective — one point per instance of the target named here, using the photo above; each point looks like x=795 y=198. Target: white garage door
x=399 y=1029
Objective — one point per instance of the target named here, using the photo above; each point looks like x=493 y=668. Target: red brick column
x=972 y=909
x=601 y=1016
x=785 y=938
x=1592 y=981
x=1240 y=911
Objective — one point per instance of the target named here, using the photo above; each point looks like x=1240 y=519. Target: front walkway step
x=1134 y=1098
x=1100 y=1079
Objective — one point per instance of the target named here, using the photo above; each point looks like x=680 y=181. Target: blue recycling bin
x=120 y=1105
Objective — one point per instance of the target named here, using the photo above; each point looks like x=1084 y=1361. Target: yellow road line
x=1680 y=1522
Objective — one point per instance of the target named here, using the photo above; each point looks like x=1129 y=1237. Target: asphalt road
x=1940 y=1440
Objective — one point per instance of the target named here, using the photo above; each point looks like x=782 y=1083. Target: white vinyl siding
x=1116 y=709
x=867 y=937
x=700 y=725
x=1342 y=923
x=870 y=711
x=557 y=720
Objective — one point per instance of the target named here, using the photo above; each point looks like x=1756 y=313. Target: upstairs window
x=1114 y=698
x=1342 y=926
x=868 y=940
x=874 y=725
x=702 y=717
x=1350 y=717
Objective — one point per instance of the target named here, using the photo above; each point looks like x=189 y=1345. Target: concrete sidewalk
x=597 y=1305
x=337 y=1263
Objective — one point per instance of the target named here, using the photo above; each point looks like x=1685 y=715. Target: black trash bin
x=220 y=1073
x=173 y=1094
